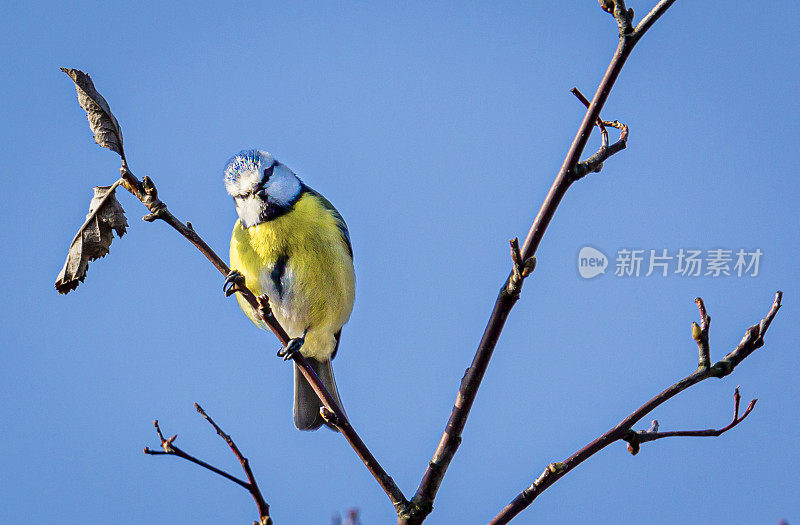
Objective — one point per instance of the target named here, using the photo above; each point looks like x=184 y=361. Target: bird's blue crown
x=244 y=162
x=248 y=159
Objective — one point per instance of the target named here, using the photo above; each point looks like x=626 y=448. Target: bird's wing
x=339 y=219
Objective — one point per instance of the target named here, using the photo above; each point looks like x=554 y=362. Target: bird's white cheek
x=249 y=210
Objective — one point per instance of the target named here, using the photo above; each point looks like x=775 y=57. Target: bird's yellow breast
x=307 y=250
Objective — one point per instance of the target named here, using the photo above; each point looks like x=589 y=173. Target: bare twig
x=520 y=269
x=754 y=338
x=634 y=439
x=700 y=335
x=652 y=16
x=147 y=193
x=262 y=505
x=170 y=449
x=595 y=162
x=422 y=502
x=599 y=122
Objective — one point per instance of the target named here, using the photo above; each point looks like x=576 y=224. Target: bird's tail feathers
x=306 y=402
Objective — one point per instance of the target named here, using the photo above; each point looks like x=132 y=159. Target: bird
x=291 y=244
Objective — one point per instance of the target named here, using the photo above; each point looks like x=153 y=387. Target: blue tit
x=291 y=244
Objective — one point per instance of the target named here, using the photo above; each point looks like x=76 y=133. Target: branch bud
x=607 y=5
x=697 y=332
x=149 y=187
x=329 y=416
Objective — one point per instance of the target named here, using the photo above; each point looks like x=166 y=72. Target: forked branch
x=634 y=439
x=571 y=170
x=595 y=163
x=623 y=431
x=170 y=449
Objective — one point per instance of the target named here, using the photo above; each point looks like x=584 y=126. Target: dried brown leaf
x=103 y=123
x=93 y=239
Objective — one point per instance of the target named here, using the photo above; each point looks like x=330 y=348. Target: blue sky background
x=436 y=130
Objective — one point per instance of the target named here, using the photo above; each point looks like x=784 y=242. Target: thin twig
x=652 y=16
x=263 y=508
x=634 y=439
x=700 y=335
x=520 y=269
x=595 y=162
x=599 y=122
x=145 y=190
x=422 y=502
x=754 y=338
x=170 y=449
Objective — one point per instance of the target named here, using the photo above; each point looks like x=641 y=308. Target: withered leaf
x=103 y=123
x=93 y=239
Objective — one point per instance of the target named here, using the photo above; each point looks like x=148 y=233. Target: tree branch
x=753 y=339
x=651 y=17
x=422 y=502
x=700 y=335
x=635 y=439
x=600 y=125
x=145 y=190
x=251 y=486
x=595 y=163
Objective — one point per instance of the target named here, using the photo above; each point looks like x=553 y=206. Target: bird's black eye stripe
x=263 y=182
x=264 y=179
x=267 y=174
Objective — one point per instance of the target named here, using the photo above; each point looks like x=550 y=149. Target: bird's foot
x=292 y=347
x=233 y=283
